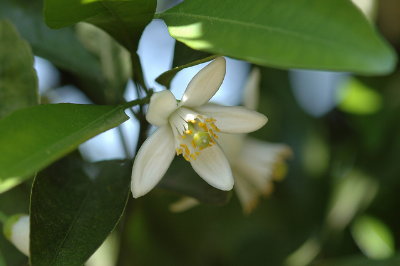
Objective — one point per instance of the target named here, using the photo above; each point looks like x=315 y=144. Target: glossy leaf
x=123 y=19
x=74 y=207
x=166 y=77
x=18 y=81
x=61 y=47
x=181 y=178
x=34 y=137
x=283 y=34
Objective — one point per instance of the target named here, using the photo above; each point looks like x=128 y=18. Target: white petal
x=205 y=84
x=247 y=194
x=232 y=145
x=162 y=104
x=234 y=119
x=152 y=161
x=214 y=168
x=263 y=152
x=20 y=234
x=251 y=92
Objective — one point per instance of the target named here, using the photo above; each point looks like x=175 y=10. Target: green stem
x=137 y=72
x=138 y=79
x=123 y=142
x=144 y=100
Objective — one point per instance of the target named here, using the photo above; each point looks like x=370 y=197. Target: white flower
x=190 y=128
x=17 y=231
x=255 y=163
x=255 y=166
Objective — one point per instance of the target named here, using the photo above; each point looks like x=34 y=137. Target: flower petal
x=232 y=145
x=251 y=92
x=152 y=161
x=247 y=194
x=213 y=167
x=162 y=104
x=234 y=119
x=205 y=84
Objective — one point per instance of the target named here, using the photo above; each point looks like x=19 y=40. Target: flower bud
x=16 y=230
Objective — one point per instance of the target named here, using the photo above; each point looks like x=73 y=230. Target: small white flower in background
x=255 y=163
x=17 y=230
x=191 y=128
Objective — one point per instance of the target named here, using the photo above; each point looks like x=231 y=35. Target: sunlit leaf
x=123 y=19
x=373 y=237
x=34 y=137
x=284 y=34
x=74 y=207
x=357 y=98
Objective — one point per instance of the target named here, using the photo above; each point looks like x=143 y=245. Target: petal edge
x=205 y=83
x=152 y=161
x=234 y=119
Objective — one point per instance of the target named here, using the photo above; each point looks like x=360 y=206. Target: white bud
x=17 y=230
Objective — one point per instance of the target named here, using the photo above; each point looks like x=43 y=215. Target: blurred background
x=338 y=203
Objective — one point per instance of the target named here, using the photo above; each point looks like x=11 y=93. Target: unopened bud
x=16 y=230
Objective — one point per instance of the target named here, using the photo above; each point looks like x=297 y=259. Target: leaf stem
x=141 y=101
x=123 y=142
x=137 y=72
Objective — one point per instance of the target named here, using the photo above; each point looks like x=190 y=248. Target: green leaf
x=283 y=34
x=184 y=55
x=18 y=81
x=373 y=237
x=181 y=178
x=74 y=207
x=34 y=137
x=61 y=47
x=166 y=77
x=114 y=59
x=125 y=20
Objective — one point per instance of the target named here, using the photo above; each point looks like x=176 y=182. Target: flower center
x=197 y=133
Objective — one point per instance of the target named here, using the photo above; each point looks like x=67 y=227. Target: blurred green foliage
x=345 y=168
